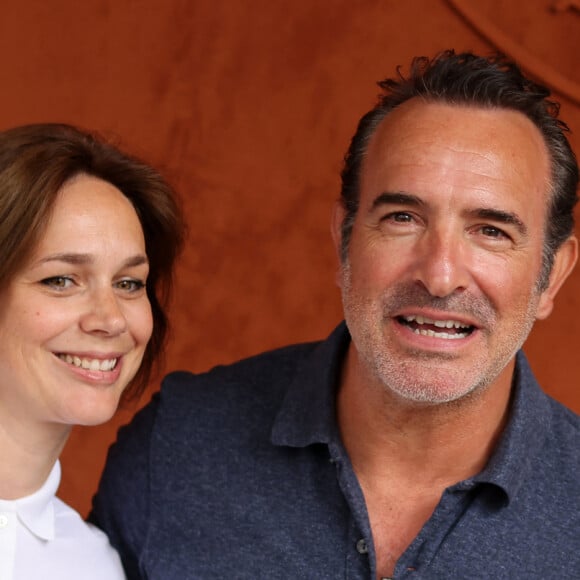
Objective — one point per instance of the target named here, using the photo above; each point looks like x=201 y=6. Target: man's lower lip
x=438 y=334
x=440 y=339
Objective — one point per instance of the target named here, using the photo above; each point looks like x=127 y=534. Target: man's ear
x=564 y=262
x=338 y=213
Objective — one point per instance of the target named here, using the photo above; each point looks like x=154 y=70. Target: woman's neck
x=28 y=454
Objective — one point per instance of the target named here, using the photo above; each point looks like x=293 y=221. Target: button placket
x=362 y=546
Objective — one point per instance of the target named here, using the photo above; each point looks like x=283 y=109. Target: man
x=414 y=442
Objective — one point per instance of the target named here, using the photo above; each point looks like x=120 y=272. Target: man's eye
x=58 y=282
x=399 y=217
x=130 y=285
x=492 y=232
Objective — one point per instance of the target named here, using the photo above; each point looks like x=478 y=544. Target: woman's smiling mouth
x=91 y=364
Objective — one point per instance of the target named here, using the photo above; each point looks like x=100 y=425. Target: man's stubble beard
x=423 y=377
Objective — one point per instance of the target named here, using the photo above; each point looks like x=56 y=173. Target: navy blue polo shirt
x=240 y=473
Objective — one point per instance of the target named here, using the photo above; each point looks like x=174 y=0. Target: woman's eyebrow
x=80 y=259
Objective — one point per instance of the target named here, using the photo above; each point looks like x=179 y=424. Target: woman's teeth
x=90 y=364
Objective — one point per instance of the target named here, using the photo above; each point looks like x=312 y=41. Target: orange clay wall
x=247 y=106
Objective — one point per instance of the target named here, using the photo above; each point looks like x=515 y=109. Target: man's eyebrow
x=397 y=198
x=501 y=216
x=487 y=213
x=82 y=259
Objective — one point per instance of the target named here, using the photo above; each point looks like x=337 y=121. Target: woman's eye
x=130 y=285
x=58 y=282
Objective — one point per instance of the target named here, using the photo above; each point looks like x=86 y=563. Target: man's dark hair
x=488 y=82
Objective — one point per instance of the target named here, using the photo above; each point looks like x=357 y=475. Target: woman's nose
x=104 y=314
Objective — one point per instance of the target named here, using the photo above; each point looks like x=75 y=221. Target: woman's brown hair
x=37 y=160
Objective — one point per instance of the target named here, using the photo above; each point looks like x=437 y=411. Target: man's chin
x=429 y=386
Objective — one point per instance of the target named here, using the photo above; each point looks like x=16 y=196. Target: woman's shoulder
x=87 y=547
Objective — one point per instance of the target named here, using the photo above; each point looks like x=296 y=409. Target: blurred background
x=248 y=106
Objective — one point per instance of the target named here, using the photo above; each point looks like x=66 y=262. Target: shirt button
x=3 y=521
x=361 y=546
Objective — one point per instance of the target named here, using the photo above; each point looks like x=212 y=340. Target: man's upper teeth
x=438 y=323
x=91 y=364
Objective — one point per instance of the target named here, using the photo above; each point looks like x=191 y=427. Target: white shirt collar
x=36 y=511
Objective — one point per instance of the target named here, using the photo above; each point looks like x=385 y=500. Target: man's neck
x=405 y=455
x=416 y=442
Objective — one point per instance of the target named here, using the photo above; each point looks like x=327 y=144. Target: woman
x=88 y=239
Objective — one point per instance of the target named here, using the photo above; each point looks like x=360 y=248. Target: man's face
x=440 y=282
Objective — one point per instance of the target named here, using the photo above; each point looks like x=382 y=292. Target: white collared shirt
x=42 y=537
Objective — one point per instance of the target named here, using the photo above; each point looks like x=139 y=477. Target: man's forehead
x=416 y=116
x=425 y=138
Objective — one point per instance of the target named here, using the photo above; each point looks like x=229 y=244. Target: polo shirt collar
x=308 y=415
x=308 y=412
x=36 y=511
x=524 y=436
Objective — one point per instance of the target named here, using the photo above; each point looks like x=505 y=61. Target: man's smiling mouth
x=446 y=329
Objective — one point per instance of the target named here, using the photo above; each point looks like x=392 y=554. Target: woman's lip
x=99 y=355
x=92 y=375
x=101 y=363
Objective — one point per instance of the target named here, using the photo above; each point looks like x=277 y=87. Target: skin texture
x=81 y=294
x=450 y=227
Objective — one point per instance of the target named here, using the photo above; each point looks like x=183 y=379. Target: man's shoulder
x=227 y=412
x=541 y=414
x=556 y=464
x=564 y=431
x=259 y=382
x=254 y=371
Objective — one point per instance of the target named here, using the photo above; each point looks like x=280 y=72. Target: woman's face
x=74 y=323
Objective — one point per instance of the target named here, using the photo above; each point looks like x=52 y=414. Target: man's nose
x=441 y=264
x=104 y=314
